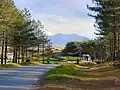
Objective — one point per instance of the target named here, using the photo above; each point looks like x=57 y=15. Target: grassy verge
x=10 y=65
x=83 y=77
x=13 y=65
x=30 y=63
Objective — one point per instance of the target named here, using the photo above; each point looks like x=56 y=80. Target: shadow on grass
x=76 y=84
x=76 y=77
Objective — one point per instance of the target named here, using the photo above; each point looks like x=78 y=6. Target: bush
x=28 y=60
x=116 y=64
x=35 y=59
x=30 y=63
x=9 y=61
x=98 y=62
x=34 y=63
x=87 y=63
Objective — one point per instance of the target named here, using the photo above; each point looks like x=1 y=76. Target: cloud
x=61 y=16
x=60 y=24
x=74 y=8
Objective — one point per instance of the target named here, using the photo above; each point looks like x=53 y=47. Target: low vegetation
x=84 y=77
x=30 y=63
x=10 y=65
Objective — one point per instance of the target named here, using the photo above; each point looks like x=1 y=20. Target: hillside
x=62 y=39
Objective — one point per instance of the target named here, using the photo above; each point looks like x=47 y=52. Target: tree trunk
x=26 y=52
x=32 y=51
x=118 y=40
x=114 y=40
x=43 y=52
x=114 y=46
x=111 y=47
x=6 y=50
x=14 y=50
x=38 y=51
x=16 y=55
x=2 y=53
x=22 y=53
x=19 y=55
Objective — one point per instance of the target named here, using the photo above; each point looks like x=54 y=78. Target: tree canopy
x=20 y=32
x=107 y=23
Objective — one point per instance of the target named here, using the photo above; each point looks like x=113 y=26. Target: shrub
x=30 y=62
x=116 y=64
x=87 y=63
x=9 y=61
x=35 y=59
x=98 y=62
x=34 y=63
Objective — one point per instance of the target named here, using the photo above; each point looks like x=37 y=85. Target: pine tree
x=7 y=23
x=107 y=21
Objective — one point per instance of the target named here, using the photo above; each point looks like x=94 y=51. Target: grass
x=33 y=61
x=69 y=72
x=10 y=65
x=13 y=65
x=70 y=58
x=83 y=77
x=88 y=64
x=30 y=63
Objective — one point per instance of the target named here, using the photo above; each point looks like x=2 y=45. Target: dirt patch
x=50 y=88
x=100 y=85
x=40 y=84
x=86 y=85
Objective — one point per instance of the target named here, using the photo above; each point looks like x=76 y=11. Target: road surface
x=22 y=78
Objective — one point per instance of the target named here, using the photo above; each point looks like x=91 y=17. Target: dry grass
x=76 y=77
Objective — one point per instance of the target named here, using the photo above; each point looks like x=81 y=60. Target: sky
x=61 y=16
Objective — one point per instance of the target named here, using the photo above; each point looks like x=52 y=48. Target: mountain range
x=62 y=39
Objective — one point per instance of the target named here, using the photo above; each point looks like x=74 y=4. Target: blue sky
x=61 y=16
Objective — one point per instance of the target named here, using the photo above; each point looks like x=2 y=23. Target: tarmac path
x=22 y=78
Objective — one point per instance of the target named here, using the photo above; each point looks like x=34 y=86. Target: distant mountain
x=62 y=39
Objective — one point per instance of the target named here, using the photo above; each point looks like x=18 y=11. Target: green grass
x=13 y=65
x=88 y=64
x=52 y=60
x=83 y=76
x=9 y=61
x=69 y=72
x=30 y=63
x=63 y=69
x=10 y=65
x=70 y=58
x=33 y=61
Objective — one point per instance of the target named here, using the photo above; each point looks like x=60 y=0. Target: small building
x=9 y=56
x=86 y=57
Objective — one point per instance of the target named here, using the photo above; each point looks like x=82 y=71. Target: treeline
x=95 y=48
x=107 y=24
x=107 y=16
x=21 y=33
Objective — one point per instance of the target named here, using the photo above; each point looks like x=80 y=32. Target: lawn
x=83 y=77
x=33 y=61
x=70 y=58
x=9 y=65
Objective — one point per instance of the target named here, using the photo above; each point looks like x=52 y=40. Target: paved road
x=23 y=77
